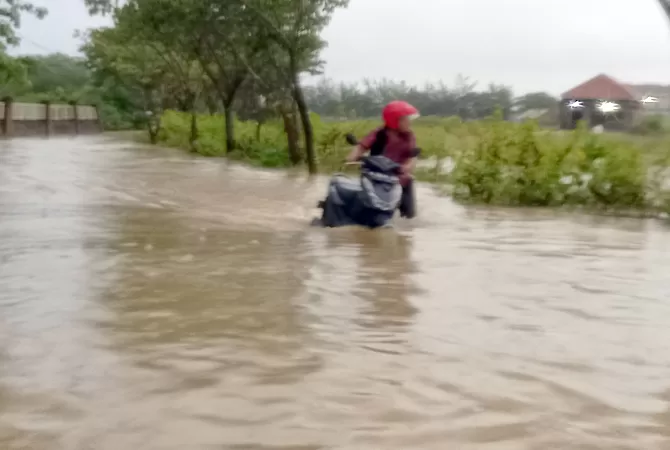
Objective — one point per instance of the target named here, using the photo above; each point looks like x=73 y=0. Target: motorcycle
x=369 y=201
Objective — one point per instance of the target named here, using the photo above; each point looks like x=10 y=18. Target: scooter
x=369 y=201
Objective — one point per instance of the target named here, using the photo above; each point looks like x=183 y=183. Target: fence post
x=47 y=113
x=75 y=112
x=8 y=121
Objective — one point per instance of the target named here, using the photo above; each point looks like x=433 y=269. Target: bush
x=655 y=124
x=519 y=164
x=493 y=161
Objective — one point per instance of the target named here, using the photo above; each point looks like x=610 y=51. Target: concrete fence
x=46 y=119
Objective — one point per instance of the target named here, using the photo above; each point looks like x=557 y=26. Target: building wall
x=662 y=93
x=625 y=119
x=30 y=119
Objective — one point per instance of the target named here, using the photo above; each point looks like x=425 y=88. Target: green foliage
x=519 y=164
x=55 y=77
x=495 y=162
x=13 y=73
x=245 y=58
x=136 y=74
x=10 y=19
x=50 y=72
x=653 y=125
x=61 y=78
x=535 y=100
x=102 y=7
x=268 y=151
x=355 y=100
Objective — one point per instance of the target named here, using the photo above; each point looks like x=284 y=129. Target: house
x=655 y=98
x=545 y=117
x=600 y=101
x=529 y=114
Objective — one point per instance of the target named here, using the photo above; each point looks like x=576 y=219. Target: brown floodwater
x=153 y=300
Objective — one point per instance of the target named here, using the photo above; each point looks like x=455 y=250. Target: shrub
x=493 y=161
x=519 y=164
x=654 y=124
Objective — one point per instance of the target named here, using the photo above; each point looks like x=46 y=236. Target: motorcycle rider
x=396 y=141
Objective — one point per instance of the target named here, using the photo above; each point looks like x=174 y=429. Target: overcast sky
x=529 y=45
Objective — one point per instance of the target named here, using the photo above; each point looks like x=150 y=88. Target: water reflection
x=385 y=278
x=176 y=282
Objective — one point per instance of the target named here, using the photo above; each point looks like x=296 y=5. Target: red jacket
x=399 y=147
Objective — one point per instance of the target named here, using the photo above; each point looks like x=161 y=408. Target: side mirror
x=351 y=139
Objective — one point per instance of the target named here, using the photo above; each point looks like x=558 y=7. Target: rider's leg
x=408 y=201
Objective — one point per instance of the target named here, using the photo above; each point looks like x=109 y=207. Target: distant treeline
x=62 y=78
x=463 y=99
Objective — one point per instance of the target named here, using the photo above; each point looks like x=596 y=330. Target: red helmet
x=396 y=110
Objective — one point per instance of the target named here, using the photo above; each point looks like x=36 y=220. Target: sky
x=529 y=45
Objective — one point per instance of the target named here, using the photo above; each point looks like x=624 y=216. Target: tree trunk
x=259 y=125
x=152 y=136
x=230 y=128
x=193 y=141
x=299 y=97
x=292 y=135
x=228 y=99
x=154 y=127
x=151 y=114
x=183 y=106
x=296 y=113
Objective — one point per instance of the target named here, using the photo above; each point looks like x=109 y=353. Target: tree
x=10 y=19
x=367 y=99
x=188 y=35
x=227 y=47
x=48 y=72
x=169 y=29
x=294 y=26
x=114 y=53
x=13 y=76
x=55 y=77
x=102 y=7
x=269 y=93
x=12 y=70
x=534 y=100
x=272 y=41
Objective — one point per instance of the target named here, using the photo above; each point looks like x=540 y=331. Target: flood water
x=153 y=300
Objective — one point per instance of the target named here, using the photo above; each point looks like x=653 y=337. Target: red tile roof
x=600 y=87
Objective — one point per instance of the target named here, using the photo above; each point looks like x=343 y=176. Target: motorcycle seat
x=345 y=189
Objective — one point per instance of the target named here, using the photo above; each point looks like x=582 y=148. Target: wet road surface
x=153 y=300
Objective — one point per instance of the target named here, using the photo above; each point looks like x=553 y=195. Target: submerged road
x=153 y=300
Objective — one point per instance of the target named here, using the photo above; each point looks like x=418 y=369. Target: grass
x=493 y=162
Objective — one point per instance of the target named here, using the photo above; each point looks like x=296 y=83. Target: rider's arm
x=410 y=163
x=362 y=147
x=356 y=153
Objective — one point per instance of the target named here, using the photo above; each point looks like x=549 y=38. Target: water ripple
x=154 y=300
